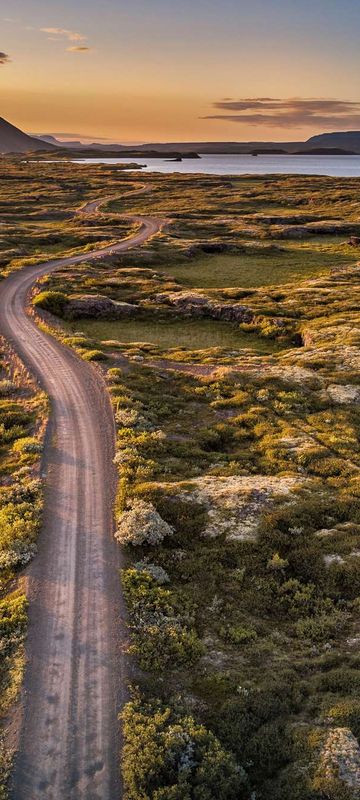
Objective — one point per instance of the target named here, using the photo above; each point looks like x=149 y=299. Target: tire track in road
x=74 y=680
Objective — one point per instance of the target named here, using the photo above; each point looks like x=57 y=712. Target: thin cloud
x=67 y=135
x=288 y=113
x=72 y=36
x=4 y=58
x=78 y=49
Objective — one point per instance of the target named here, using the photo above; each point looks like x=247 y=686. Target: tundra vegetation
x=230 y=343
x=23 y=412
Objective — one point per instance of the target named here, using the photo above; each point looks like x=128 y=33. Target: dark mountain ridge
x=13 y=140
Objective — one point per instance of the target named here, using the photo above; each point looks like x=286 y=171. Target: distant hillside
x=347 y=139
x=13 y=140
x=222 y=148
x=347 y=142
x=327 y=143
x=47 y=137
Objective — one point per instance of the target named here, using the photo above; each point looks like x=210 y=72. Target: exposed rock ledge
x=98 y=306
x=196 y=305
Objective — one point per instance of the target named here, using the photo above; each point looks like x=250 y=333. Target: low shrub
x=160 y=637
x=6 y=388
x=13 y=619
x=168 y=756
x=345 y=714
x=186 y=515
x=321 y=627
x=19 y=525
x=115 y=374
x=240 y=718
x=268 y=750
x=94 y=355
x=5 y=769
x=343 y=680
x=27 y=445
x=51 y=301
x=238 y=634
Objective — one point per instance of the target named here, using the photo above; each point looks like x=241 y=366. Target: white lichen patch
x=341 y=528
x=353 y=641
x=333 y=558
x=297 y=444
x=340 y=759
x=234 y=504
x=142 y=524
x=325 y=532
x=154 y=570
x=294 y=374
x=344 y=394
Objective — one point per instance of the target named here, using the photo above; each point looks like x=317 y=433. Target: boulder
x=344 y=394
x=290 y=232
x=339 y=764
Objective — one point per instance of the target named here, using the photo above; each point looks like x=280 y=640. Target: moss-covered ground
x=238 y=506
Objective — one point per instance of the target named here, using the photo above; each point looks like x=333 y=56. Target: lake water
x=336 y=166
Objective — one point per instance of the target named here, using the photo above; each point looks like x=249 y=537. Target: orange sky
x=154 y=71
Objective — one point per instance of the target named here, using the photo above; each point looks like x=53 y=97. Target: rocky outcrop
x=340 y=763
x=212 y=247
x=190 y=304
x=327 y=227
x=281 y=219
x=98 y=306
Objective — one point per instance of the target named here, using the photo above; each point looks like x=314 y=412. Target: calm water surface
x=336 y=166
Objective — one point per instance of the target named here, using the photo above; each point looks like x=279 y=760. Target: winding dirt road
x=74 y=681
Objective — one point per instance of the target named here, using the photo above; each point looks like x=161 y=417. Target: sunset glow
x=176 y=71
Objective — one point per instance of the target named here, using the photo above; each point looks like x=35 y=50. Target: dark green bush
x=160 y=637
x=343 y=680
x=268 y=750
x=241 y=717
x=168 y=756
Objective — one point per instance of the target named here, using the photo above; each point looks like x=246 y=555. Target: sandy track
x=74 y=680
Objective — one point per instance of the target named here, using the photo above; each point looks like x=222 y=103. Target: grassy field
x=243 y=270
x=191 y=334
